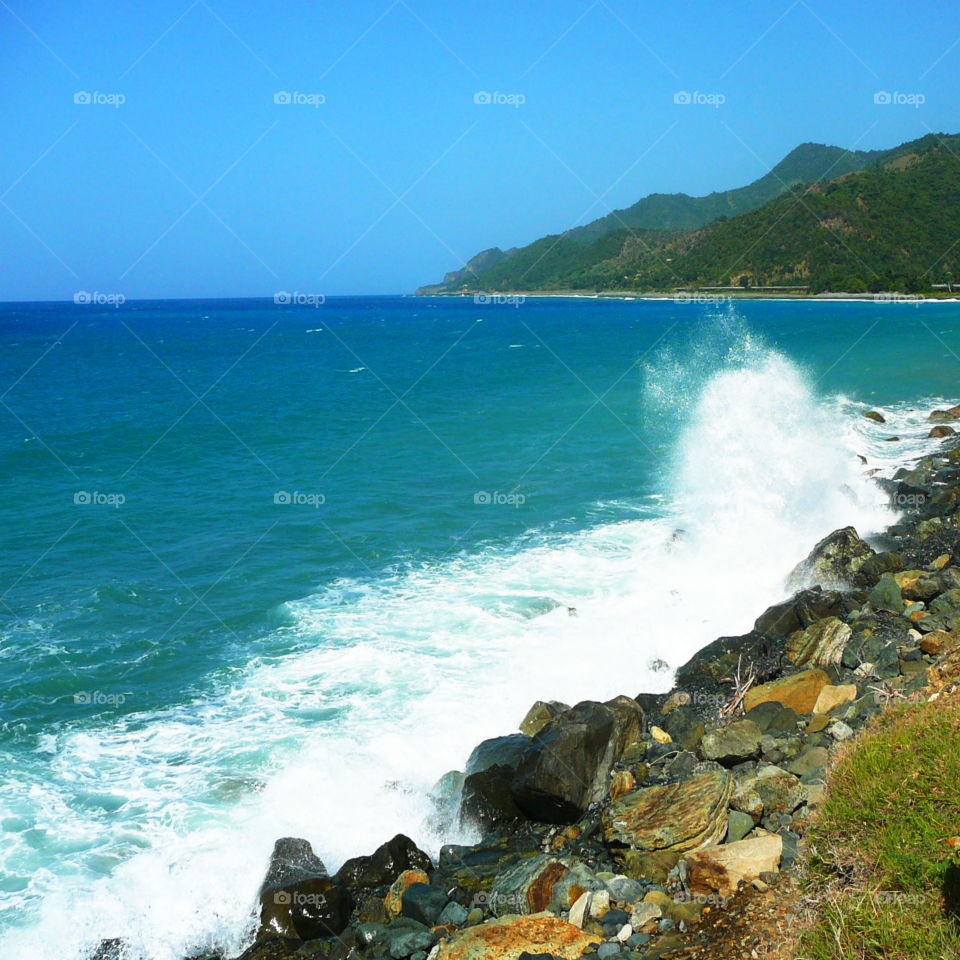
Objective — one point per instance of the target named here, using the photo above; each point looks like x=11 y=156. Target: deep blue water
x=259 y=557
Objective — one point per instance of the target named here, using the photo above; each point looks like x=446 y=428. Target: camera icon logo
x=281 y=496
x=81 y=296
x=282 y=96
x=682 y=96
x=81 y=96
x=82 y=498
x=482 y=97
x=282 y=899
x=482 y=497
x=81 y=698
x=882 y=97
x=281 y=297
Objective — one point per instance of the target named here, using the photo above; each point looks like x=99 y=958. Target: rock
x=679 y=699
x=526 y=886
x=661 y=736
x=405 y=943
x=799 y=691
x=625 y=933
x=623 y=889
x=886 y=594
x=506 y=752
x=935 y=642
x=746 y=800
x=488 y=800
x=939 y=432
x=740 y=824
x=811 y=759
x=819 y=645
x=623 y=782
x=674 y=817
x=844 y=559
x=453 y=914
x=953 y=413
x=607 y=950
x=684 y=727
x=599 y=904
x=393 y=902
x=650 y=866
x=876 y=417
x=568 y=765
x=802 y=609
x=578 y=911
x=298 y=898
x=384 y=865
x=841 y=731
x=719 y=869
x=423 y=903
x=540 y=714
x=832 y=696
x=508 y=937
x=732 y=744
x=643 y=913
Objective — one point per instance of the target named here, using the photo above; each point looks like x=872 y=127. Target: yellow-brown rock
x=508 y=937
x=799 y=691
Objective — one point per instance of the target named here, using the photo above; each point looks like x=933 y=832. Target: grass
x=880 y=862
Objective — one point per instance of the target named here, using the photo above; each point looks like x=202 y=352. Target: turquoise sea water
x=272 y=569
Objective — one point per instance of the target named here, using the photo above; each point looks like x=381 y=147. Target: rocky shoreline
x=639 y=828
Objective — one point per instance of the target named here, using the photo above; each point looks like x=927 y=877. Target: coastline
x=627 y=828
x=696 y=296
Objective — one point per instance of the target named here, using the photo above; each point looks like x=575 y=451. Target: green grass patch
x=879 y=861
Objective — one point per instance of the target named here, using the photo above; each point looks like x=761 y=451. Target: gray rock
x=739 y=826
x=423 y=903
x=732 y=744
x=453 y=914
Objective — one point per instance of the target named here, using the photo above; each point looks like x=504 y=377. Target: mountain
x=667 y=239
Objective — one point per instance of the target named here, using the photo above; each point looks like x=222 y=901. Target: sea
x=273 y=568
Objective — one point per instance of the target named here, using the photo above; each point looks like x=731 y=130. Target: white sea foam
x=383 y=685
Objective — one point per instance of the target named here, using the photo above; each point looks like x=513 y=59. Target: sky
x=216 y=148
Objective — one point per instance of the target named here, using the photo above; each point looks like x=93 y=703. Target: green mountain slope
x=636 y=248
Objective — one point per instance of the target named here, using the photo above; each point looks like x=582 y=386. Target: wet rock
x=819 y=645
x=732 y=744
x=508 y=937
x=707 y=675
x=876 y=417
x=799 y=691
x=393 y=902
x=540 y=714
x=423 y=903
x=952 y=413
x=938 y=433
x=674 y=817
x=568 y=765
x=488 y=800
x=842 y=559
x=298 y=899
x=802 y=609
x=684 y=727
x=526 y=885
x=473 y=868
x=719 y=869
x=384 y=865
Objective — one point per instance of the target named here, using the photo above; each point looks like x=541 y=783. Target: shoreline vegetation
x=797 y=793
x=700 y=296
x=822 y=220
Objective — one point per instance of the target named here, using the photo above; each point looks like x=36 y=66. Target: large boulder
x=673 y=817
x=820 y=645
x=842 y=559
x=719 y=869
x=799 y=691
x=298 y=898
x=540 y=714
x=568 y=764
x=797 y=613
x=511 y=936
x=732 y=744
x=505 y=752
x=384 y=865
x=529 y=885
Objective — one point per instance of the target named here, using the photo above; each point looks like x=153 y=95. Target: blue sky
x=199 y=184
